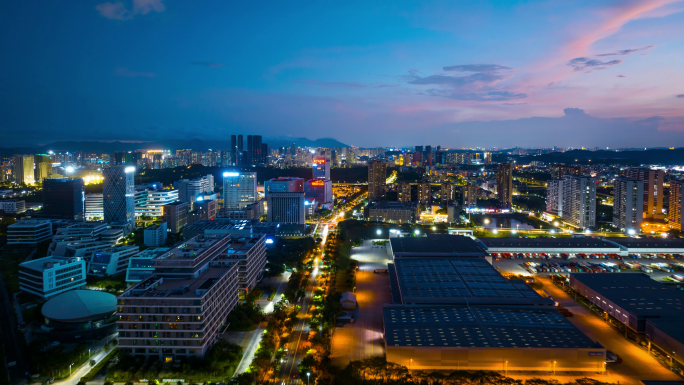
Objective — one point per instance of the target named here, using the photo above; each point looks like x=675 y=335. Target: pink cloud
x=126 y=73
x=118 y=11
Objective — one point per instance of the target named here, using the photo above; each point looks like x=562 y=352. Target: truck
x=646 y=269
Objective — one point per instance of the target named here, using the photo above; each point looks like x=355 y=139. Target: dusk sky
x=368 y=73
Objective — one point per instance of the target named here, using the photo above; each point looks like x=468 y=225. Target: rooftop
x=481 y=326
x=44 y=263
x=636 y=293
x=437 y=245
x=231 y=224
x=392 y=205
x=79 y=304
x=576 y=243
x=177 y=288
x=654 y=242
x=457 y=280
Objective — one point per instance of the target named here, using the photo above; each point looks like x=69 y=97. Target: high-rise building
x=257 y=156
x=286 y=207
x=233 y=150
x=240 y=151
x=487 y=158
x=321 y=168
x=264 y=154
x=424 y=192
x=191 y=292
x=653 y=190
x=118 y=194
x=94 y=210
x=249 y=159
x=189 y=190
x=23 y=169
x=628 y=204
x=448 y=192
x=176 y=215
x=250 y=254
x=64 y=198
x=558 y=170
x=43 y=166
x=377 y=179
x=579 y=201
x=674 y=212
x=321 y=191
x=469 y=195
x=404 y=192
x=554 y=197
x=504 y=185
x=284 y=184
x=239 y=189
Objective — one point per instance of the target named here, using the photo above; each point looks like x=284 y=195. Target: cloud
x=126 y=73
x=491 y=96
x=118 y=11
x=328 y=84
x=627 y=51
x=582 y=63
x=680 y=96
x=457 y=81
x=574 y=112
x=476 y=68
x=621 y=76
x=208 y=64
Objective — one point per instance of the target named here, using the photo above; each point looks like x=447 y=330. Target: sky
x=580 y=73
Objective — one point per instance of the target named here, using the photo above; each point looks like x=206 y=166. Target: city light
x=129 y=169
x=556 y=223
x=495 y=231
x=268 y=241
x=434 y=228
x=69 y=169
x=417 y=232
x=379 y=232
x=227 y=174
x=514 y=232
x=631 y=231
x=587 y=232
x=486 y=221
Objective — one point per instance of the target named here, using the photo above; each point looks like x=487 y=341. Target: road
x=98 y=355
x=637 y=363
x=364 y=338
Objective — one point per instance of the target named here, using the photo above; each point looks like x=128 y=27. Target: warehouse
x=584 y=245
x=461 y=313
x=436 y=245
x=654 y=245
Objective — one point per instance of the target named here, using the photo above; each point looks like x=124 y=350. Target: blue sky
x=455 y=73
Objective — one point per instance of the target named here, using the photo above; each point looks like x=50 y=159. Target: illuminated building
x=286 y=207
x=674 y=212
x=554 y=197
x=251 y=211
x=321 y=191
x=284 y=184
x=628 y=205
x=192 y=290
x=239 y=189
x=43 y=166
x=377 y=179
x=393 y=212
x=579 y=201
x=112 y=261
x=118 y=194
x=404 y=192
x=653 y=191
x=152 y=202
x=13 y=206
x=558 y=170
x=250 y=255
x=189 y=190
x=176 y=215
x=424 y=193
x=155 y=235
x=233 y=150
x=94 y=207
x=49 y=276
x=23 y=169
x=64 y=198
x=504 y=185
x=447 y=192
x=487 y=158
x=321 y=168
x=469 y=195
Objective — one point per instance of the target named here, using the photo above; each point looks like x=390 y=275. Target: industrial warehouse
x=460 y=313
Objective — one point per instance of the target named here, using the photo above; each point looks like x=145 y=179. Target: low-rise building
x=49 y=276
x=250 y=253
x=29 y=232
x=140 y=265
x=155 y=235
x=393 y=212
x=251 y=211
x=111 y=261
x=13 y=206
x=176 y=216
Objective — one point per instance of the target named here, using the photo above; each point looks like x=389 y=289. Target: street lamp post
x=307 y=378
x=506 y=368
x=70 y=369
x=554 y=368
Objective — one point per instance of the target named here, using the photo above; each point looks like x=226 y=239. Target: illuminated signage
x=227 y=174
x=317 y=183
x=129 y=169
x=319 y=160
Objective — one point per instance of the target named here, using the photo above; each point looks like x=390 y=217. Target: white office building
x=628 y=204
x=111 y=261
x=93 y=207
x=239 y=189
x=49 y=276
x=286 y=208
x=29 y=232
x=190 y=189
x=13 y=206
x=155 y=235
x=141 y=266
x=153 y=202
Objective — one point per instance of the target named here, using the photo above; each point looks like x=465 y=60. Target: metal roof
x=79 y=305
x=437 y=245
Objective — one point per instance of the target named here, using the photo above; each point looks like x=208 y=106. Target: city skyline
x=498 y=74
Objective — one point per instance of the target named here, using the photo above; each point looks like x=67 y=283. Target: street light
x=417 y=232
x=554 y=368
x=70 y=369
x=379 y=232
x=307 y=378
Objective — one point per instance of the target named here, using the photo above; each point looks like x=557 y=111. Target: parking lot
x=364 y=338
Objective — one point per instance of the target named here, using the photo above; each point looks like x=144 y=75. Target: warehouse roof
x=575 y=243
x=480 y=326
x=450 y=280
x=649 y=243
x=437 y=245
x=636 y=293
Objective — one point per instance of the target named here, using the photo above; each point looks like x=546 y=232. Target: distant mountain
x=645 y=157
x=173 y=145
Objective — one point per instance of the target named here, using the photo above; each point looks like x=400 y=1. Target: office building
x=252 y=211
x=469 y=195
x=192 y=290
x=447 y=192
x=404 y=192
x=284 y=184
x=118 y=193
x=286 y=207
x=29 y=232
x=424 y=193
x=49 y=276
x=140 y=265
x=23 y=169
x=203 y=210
x=154 y=201
x=111 y=261
x=240 y=151
x=190 y=189
x=155 y=235
x=377 y=179
x=504 y=185
x=579 y=201
x=321 y=168
x=176 y=216
x=393 y=212
x=653 y=190
x=94 y=207
x=558 y=170
x=43 y=167
x=13 y=206
x=674 y=212
x=628 y=205
x=64 y=198
x=239 y=189
x=321 y=191
x=554 y=197
x=250 y=255
x=233 y=150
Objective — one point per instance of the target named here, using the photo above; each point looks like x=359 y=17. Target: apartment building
x=111 y=261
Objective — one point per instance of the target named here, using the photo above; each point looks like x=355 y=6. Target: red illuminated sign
x=317 y=183
x=319 y=160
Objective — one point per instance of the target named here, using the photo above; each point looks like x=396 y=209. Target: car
x=295 y=376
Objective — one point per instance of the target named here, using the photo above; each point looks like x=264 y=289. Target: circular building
x=80 y=314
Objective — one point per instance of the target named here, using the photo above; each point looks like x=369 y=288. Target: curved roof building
x=78 y=306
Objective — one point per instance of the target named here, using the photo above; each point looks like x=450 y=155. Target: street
x=98 y=355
